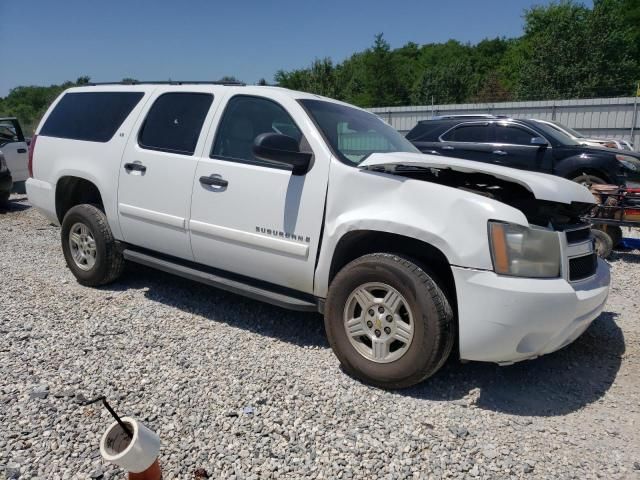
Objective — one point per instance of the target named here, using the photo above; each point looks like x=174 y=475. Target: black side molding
x=216 y=280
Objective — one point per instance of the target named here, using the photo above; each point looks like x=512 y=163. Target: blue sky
x=53 y=41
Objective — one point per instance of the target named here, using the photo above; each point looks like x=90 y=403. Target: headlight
x=629 y=162
x=524 y=252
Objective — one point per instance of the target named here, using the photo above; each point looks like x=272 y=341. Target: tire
x=615 y=233
x=604 y=244
x=4 y=199
x=108 y=262
x=588 y=179
x=425 y=306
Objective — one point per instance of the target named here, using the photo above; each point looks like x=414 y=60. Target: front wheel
x=388 y=321
x=89 y=247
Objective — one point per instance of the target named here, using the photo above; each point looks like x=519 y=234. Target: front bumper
x=508 y=319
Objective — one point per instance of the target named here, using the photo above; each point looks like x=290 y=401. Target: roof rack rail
x=463 y=115
x=169 y=82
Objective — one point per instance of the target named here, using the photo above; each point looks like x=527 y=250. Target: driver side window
x=245 y=118
x=7 y=133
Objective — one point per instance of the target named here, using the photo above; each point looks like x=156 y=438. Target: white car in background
x=14 y=147
x=590 y=141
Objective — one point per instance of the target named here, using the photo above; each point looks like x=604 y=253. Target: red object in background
x=151 y=473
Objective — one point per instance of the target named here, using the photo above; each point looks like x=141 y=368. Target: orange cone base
x=151 y=473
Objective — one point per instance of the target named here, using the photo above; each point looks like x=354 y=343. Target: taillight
x=32 y=147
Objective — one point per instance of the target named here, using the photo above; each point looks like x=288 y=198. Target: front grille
x=582 y=267
x=578 y=236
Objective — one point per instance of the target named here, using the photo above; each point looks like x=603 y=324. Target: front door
x=156 y=174
x=256 y=218
x=14 y=149
x=513 y=148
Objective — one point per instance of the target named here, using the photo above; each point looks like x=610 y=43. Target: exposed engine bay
x=538 y=212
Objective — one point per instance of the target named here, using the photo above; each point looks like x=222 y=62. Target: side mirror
x=279 y=148
x=539 y=141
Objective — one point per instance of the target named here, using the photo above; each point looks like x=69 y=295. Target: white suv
x=312 y=204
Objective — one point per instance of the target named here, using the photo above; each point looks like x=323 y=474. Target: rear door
x=513 y=148
x=157 y=170
x=470 y=140
x=14 y=148
x=424 y=136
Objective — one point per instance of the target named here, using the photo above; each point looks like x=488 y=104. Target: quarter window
x=468 y=133
x=244 y=119
x=90 y=116
x=174 y=122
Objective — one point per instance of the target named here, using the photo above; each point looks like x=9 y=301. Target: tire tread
x=114 y=259
x=445 y=317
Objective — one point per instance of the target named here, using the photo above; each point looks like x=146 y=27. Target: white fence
x=597 y=117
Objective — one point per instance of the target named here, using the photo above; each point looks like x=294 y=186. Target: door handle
x=22 y=150
x=214 y=181
x=138 y=167
x=447 y=147
x=499 y=152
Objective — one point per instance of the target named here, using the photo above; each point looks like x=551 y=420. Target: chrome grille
x=578 y=235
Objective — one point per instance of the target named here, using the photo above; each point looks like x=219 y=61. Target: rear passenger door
x=471 y=141
x=157 y=169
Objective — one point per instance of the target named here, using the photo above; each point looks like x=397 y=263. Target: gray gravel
x=245 y=390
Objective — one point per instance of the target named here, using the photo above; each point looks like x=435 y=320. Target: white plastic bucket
x=132 y=454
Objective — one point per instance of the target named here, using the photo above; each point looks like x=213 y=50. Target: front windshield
x=555 y=134
x=354 y=134
x=571 y=131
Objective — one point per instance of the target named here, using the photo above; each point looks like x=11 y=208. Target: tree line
x=567 y=50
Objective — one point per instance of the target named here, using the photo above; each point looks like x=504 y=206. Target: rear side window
x=425 y=132
x=174 y=122
x=468 y=133
x=90 y=116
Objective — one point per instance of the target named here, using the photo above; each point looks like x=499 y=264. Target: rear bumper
x=507 y=319
x=42 y=196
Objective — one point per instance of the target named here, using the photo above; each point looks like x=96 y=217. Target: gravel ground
x=245 y=390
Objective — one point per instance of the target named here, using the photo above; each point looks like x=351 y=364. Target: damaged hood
x=541 y=185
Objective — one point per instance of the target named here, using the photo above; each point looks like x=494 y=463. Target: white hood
x=543 y=186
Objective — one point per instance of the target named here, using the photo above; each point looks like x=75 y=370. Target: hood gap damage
x=543 y=213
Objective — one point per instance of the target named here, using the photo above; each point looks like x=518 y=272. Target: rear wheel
x=4 y=199
x=388 y=321
x=89 y=247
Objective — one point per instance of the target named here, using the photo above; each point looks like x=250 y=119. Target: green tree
x=28 y=104
x=570 y=51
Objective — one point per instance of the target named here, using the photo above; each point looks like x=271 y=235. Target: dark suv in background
x=526 y=144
